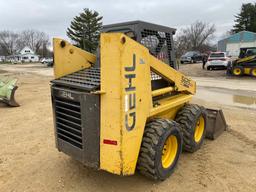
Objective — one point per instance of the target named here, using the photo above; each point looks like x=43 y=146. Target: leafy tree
x=85 y=30
x=246 y=19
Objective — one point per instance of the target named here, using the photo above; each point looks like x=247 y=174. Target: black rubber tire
x=252 y=73
x=182 y=62
x=228 y=72
x=187 y=117
x=238 y=67
x=208 y=68
x=150 y=157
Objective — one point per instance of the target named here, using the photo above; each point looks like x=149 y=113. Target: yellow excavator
x=127 y=107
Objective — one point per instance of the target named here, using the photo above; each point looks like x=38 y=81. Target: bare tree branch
x=8 y=42
x=194 y=37
x=33 y=39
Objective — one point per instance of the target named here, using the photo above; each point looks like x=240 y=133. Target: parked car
x=50 y=64
x=217 y=60
x=48 y=61
x=191 y=57
x=15 y=61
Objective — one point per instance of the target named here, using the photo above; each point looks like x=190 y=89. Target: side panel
x=69 y=59
x=136 y=101
x=125 y=106
x=110 y=123
x=182 y=83
x=170 y=103
x=77 y=124
x=90 y=109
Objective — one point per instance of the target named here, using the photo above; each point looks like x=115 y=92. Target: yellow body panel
x=245 y=59
x=127 y=103
x=117 y=111
x=126 y=96
x=170 y=103
x=182 y=83
x=247 y=70
x=69 y=59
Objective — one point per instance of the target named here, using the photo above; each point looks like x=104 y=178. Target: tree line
x=85 y=28
x=196 y=37
x=12 y=42
x=246 y=19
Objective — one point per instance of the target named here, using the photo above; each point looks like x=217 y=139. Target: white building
x=27 y=55
x=233 y=43
x=2 y=58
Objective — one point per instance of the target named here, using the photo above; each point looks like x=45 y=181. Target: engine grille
x=86 y=79
x=68 y=121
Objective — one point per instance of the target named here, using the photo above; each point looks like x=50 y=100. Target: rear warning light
x=109 y=142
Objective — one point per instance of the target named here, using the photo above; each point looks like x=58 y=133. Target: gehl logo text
x=130 y=95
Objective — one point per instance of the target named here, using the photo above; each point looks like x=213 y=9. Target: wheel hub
x=254 y=72
x=237 y=71
x=199 y=130
x=169 y=151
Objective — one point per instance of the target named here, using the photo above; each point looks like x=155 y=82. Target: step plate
x=86 y=79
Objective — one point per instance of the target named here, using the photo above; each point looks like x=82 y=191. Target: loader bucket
x=7 y=91
x=215 y=124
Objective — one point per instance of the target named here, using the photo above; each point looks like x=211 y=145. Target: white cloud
x=54 y=16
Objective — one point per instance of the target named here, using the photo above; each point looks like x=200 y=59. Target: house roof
x=23 y=51
x=243 y=36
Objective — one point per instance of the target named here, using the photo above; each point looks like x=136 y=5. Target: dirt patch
x=29 y=160
x=2 y=71
x=35 y=68
x=196 y=70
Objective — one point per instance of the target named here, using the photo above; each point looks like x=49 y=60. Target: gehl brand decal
x=66 y=95
x=130 y=96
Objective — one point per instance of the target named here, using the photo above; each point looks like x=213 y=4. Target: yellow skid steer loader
x=245 y=64
x=126 y=107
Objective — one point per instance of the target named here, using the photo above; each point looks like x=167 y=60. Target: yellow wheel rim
x=254 y=72
x=199 y=129
x=169 y=151
x=237 y=71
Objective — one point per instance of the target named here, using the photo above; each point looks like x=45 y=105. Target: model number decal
x=130 y=96
x=186 y=82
